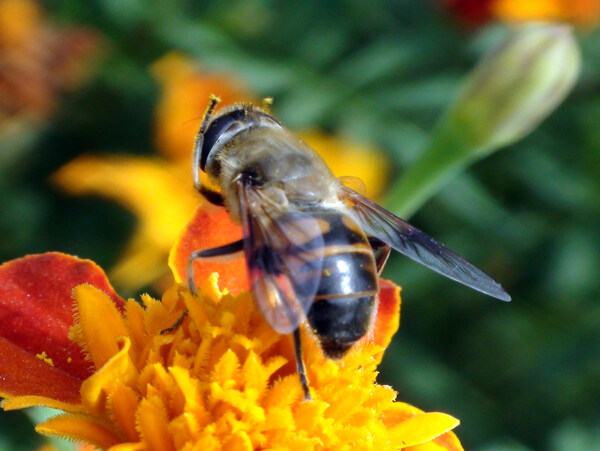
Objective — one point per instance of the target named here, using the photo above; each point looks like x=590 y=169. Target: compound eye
x=214 y=132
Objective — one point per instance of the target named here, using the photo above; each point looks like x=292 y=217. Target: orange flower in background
x=223 y=380
x=578 y=12
x=476 y=12
x=159 y=190
x=185 y=92
x=37 y=61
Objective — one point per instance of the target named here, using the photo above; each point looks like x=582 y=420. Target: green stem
x=449 y=152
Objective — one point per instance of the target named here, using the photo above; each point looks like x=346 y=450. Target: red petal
x=209 y=227
x=36 y=311
x=22 y=373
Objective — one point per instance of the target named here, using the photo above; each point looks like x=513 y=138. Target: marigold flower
x=38 y=61
x=578 y=12
x=476 y=12
x=223 y=380
x=157 y=190
x=185 y=90
x=160 y=192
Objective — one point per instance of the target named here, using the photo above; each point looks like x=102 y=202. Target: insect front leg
x=220 y=253
x=200 y=139
x=214 y=197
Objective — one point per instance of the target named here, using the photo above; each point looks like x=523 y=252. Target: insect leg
x=382 y=252
x=214 y=197
x=300 y=368
x=214 y=252
x=176 y=324
x=227 y=250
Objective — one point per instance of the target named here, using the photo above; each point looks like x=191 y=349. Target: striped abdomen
x=346 y=301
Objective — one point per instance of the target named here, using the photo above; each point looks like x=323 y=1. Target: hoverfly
x=314 y=248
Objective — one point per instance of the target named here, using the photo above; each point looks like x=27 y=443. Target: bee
x=314 y=248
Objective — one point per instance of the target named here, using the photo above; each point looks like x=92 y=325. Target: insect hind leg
x=228 y=250
x=381 y=251
x=300 y=367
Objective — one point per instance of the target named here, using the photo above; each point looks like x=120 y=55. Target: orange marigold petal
x=35 y=316
x=152 y=424
x=185 y=94
x=79 y=427
x=579 y=12
x=450 y=441
x=119 y=369
x=209 y=227
x=135 y=325
x=238 y=442
x=93 y=305
x=445 y=442
x=23 y=402
x=128 y=447
x=387 y=320
x=191 y=394
x=122 y=402
x=150 y=187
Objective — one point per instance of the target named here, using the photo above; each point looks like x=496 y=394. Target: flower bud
x=517 y=86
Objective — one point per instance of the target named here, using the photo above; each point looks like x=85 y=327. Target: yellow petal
x=159 y=193
x=152 y=423
x=195 y=308
x=580 y=12
x=135 y=325
x=239 y=442
x=438 y=444
x=94 y=307
x=123 y=401
x=185 y=93
x=189 y=387
x=227 y=368
x=128 y=447
x=119 y=368
x=284 y=392
x=345 y=157
x=79 y=427
x=422 y=428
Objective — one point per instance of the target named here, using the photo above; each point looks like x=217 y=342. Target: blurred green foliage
x=524 y=375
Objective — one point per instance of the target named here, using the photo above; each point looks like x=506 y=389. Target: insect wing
x=284 y=255
x=420 y=247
